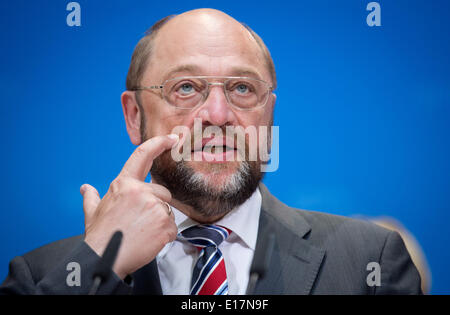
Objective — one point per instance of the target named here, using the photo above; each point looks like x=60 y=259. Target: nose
x=215 y=109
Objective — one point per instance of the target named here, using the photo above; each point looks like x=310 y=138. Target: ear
x=274 y=99
x=132 y=115
x=270 y=106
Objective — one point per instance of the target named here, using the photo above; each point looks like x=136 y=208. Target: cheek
x=259 y=122
x=162 y=122
x=267 y=119
x=160 y=118
x=261 y=117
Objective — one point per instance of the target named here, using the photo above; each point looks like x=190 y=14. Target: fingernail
x=82 y=189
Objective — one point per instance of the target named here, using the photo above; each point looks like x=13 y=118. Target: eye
x=186 y=89
x=242 y=88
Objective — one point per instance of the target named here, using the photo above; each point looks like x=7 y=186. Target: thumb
x=91 y=199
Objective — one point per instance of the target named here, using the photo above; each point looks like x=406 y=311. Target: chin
x=215 y=175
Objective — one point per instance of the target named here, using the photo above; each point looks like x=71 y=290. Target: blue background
x=363 y=111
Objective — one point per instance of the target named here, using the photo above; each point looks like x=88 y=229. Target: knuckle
x=132 y=190
x=127 y=188
x=151 y=202
x=168 y=195
x=160 y=191
x=116 y=185
x=166 y=192
x=140 y=151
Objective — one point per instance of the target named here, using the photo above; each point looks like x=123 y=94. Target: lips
x=212 y=143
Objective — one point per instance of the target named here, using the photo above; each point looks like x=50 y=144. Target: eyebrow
x=196 y=70
x=182 y=68
x=245 y=72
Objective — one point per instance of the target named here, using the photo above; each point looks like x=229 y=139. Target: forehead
x=205 y=45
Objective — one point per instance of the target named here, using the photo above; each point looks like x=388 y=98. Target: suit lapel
x=294 y=264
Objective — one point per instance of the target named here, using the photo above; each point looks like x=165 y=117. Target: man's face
x=204 y=45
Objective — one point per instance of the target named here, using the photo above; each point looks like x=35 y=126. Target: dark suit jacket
x=314 y=253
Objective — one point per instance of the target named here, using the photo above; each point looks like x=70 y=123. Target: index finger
x=140 y=162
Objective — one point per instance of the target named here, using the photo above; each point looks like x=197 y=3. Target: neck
x=193 y=214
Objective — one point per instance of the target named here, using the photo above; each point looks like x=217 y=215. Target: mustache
x=252 y=143
x=223 y=137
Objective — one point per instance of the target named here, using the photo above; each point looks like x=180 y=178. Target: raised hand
x=135 y=207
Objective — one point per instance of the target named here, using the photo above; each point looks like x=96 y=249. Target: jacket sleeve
x=32 y=278
x=399 y=275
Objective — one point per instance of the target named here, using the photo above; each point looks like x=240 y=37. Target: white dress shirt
x=177 y=259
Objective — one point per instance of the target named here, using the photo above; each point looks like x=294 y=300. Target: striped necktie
x=209 y=276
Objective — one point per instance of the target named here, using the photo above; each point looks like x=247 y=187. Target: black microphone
x=103 y=268
x=260 y=264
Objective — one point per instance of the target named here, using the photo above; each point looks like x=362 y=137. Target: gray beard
x=195 y=189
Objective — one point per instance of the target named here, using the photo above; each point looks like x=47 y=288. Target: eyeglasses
x=188 y=92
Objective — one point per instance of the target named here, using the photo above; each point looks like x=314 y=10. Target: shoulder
x=320 y=227
x=326 y=225
x=344 y=239
x=352 y=238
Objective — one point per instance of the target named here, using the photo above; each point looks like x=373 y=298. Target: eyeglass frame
x=160 y=87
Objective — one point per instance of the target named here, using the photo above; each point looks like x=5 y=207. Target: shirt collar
x=242 y=220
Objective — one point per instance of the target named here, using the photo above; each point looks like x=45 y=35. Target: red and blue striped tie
x=209 y=276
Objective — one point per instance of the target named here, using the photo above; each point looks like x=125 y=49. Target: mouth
x=215 y=150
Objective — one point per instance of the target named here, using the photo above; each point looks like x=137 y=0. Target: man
x=197 y=226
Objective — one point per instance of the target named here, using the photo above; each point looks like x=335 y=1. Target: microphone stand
x=260 y=264
x=103 y=268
